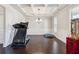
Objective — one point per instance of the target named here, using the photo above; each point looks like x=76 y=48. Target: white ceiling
x=44 y=9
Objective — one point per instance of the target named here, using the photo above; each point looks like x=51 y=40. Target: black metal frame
x=19 y=39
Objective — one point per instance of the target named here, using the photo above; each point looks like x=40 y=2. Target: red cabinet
x=72 y=46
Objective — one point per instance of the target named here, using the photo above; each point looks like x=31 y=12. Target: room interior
x=49 y=26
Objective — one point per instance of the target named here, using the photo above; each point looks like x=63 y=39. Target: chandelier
x=38 y=20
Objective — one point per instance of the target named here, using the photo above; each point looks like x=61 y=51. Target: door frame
x=4 y=22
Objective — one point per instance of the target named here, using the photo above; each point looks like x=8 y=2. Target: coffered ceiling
x=38 y=9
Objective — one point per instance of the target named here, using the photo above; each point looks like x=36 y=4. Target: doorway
x=2 y=25
x=75 y=26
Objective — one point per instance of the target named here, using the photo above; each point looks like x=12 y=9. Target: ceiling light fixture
x=38 y=20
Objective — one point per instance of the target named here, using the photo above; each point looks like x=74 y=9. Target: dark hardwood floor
x=38 y=45
x=1 y=49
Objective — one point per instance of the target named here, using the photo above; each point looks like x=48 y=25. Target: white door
x=1 y=25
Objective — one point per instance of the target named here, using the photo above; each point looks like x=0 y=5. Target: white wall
x=38 y=29
x=1 y=25
x=63 y=24
x=12 y=17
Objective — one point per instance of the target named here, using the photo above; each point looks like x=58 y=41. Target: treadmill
x=20 y=38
